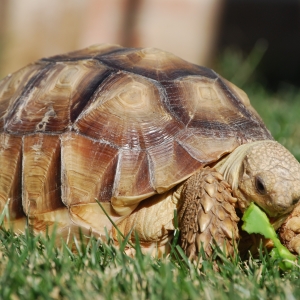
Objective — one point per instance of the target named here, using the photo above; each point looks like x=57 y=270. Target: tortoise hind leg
x=152 y=221
x=207 y=214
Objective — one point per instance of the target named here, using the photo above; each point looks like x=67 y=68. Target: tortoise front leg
x=289 y=232
x=207 y=215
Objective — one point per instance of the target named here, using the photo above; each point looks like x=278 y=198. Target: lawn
x=34 y=268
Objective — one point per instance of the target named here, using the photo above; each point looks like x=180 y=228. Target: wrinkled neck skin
x=232 y=169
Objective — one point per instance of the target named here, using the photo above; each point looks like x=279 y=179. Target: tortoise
x=147 y=134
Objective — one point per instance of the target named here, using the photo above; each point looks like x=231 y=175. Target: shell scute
x=134 y=178
x=171 y=164
x=11 y=174
x=41 y=174
x=12 y=88
x=208 y=105
x=56 y=97
x=204 y=147
x=88 y=169
x=127 y=111
x=153 y=63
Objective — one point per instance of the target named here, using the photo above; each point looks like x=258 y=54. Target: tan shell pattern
x=113 y=123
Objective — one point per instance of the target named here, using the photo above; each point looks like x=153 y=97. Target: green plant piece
x=256 y=221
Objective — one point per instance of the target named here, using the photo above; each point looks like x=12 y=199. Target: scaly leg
x=207 y=215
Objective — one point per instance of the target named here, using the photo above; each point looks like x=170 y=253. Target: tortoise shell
x=116 y=124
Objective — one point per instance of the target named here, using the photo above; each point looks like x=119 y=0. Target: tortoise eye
x=260 y=186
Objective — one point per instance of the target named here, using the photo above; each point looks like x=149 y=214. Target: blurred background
x=254 y=43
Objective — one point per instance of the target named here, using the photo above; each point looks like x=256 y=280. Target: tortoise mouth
x=276 y=220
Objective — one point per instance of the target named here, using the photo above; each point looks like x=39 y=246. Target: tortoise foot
x=289 y=232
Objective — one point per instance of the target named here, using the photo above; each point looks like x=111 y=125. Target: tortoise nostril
x=295 y=201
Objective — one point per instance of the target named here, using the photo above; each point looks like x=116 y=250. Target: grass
x=34 y=268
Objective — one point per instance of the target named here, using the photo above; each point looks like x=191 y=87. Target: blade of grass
x=5 y=212
x=113 y=223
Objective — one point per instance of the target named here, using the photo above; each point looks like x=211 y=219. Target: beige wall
x=36 y=28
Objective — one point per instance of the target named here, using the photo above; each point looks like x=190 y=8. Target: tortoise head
x=266 y=173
